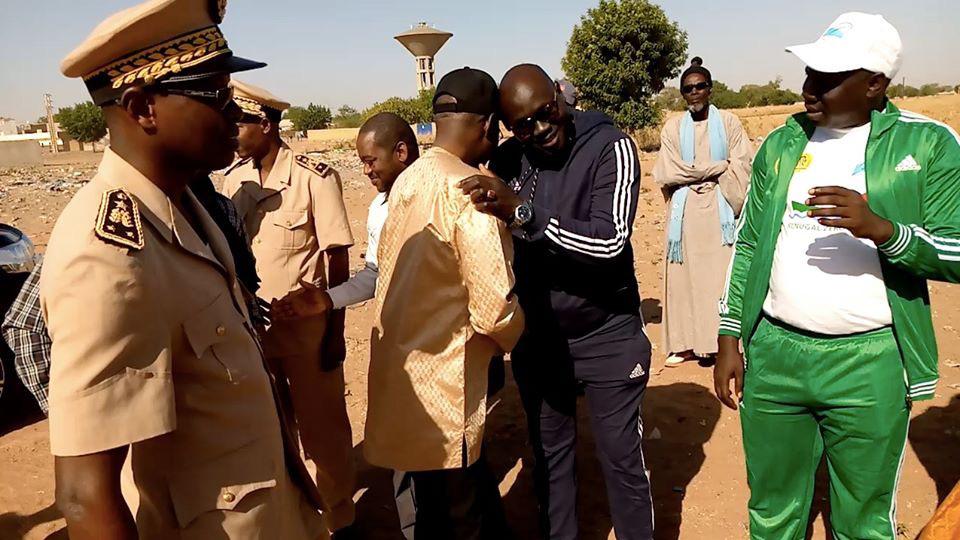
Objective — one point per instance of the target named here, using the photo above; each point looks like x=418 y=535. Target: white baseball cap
x=854 y=41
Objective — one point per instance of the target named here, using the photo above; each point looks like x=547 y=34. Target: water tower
x=423 y=42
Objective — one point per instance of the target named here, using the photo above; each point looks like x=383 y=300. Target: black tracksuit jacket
x=574 y=261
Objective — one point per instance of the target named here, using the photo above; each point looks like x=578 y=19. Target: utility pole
x=51 y=126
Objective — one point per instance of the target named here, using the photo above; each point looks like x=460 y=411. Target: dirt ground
x=692 y=445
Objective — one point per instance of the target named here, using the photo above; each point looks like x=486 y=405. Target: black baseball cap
x=474 y=91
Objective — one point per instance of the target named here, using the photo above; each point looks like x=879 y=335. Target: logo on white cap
x=854 y=41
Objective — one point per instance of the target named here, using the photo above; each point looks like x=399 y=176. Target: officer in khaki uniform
x=154 y=359
x=292 y=205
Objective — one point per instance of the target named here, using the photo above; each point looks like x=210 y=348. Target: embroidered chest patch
x=118 y=221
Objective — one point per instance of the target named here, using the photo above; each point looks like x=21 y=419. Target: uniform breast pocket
x=217 y=336
x=293 y=228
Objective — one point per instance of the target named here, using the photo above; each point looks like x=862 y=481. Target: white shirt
x=376 y=216
x=824 y=279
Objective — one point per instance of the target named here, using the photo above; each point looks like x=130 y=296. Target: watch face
x=524 y=213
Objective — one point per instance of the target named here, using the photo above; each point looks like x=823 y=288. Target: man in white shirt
x=387 y=146
x=853 y=206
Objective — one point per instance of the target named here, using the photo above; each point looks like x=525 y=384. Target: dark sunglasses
x=547 y=114
x=221 y=97
x=689 y=88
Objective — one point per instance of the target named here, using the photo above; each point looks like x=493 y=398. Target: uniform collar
x=158 y=209
x=282 y=169
x=153 y=202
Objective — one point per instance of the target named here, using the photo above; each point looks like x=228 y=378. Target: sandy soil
x=693 y=446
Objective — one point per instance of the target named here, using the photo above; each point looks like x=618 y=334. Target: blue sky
x=341 y=52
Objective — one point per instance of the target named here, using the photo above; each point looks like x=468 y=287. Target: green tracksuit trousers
x=805 y=394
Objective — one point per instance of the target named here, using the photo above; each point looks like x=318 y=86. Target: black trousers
x=454 y=504
x=612 y=364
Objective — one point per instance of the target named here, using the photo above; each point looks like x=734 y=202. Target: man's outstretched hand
x=848 y=209
x=729 y=367
x=307 y=301
x=490 y=195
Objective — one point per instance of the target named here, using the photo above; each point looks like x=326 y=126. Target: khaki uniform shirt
x=444 y=308
x=292 y=217
x=153 y=348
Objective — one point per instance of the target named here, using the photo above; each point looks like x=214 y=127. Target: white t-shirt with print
x=824 y=279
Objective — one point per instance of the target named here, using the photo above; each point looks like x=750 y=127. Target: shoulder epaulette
x=236 y=164
x=118 y=221
x=313 y=164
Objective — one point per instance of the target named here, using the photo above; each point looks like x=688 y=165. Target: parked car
x=17 y=260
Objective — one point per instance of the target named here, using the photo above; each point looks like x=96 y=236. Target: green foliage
x=750 y=95
x=725 y=98
x=347 y=117
x=670 y=99
x=309 y=117
x=414 y=110
x=768 y=94
x=901 y=91
x=83 y=122
x=619 y=57
x=932 y=89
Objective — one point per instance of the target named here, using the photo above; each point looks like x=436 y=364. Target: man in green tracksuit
x=854 y=204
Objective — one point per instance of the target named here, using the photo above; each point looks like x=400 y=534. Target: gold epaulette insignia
x=118 y=221
x=313 y=164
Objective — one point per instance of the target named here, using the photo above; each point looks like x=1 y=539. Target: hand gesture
x=847 y=209
x=491 y=195
x=307 y=301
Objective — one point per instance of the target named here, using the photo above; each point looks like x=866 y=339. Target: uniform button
x=229 y=497
x=221 y=331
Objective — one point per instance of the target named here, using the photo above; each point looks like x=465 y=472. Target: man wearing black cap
x=154 y=356
x=575 y=182
x=445 y=307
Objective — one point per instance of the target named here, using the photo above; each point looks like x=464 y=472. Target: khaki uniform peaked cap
x=258 y=102
x=168 y=40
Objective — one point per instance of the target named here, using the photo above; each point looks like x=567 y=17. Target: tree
x=725 y=98
x=768 y=94
x=619 y=57
x=83 y=122
x=309 y=117
x=901 y=91
x=414 y=110
x=670 y=99
x=932 y=89
x=347 y=117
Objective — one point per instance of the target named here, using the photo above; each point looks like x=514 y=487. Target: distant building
x=38 y=132
x=8 y=126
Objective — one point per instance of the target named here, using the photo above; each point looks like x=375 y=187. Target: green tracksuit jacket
x=913 y=180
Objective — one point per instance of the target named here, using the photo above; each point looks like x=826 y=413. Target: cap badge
x=838 y=31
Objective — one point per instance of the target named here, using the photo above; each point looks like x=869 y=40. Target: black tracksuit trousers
x=612 y=364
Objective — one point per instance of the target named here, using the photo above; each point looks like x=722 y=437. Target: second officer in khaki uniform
x=292 y=205
x=154 y=357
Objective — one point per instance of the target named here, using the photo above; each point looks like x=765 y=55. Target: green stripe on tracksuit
x=807 y=394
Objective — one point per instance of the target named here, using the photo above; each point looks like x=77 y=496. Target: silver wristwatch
x=522 y=215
